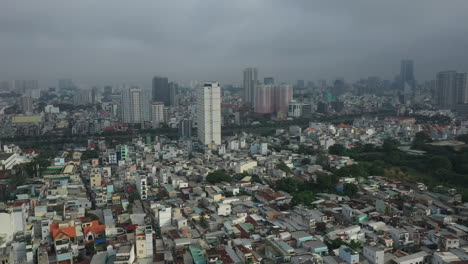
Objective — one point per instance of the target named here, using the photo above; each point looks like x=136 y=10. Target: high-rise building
x=295 y=109
x=264 y=99
x=461 y=82
x=66 y=84
x=157 y=113
x=300 y=84
x=446 y=89
x=338 y=87
x=6 y=86
x=250 y=80
x=135 y=105
x=21 y=86
x=107 y=93
x=82 y=97
x=95 y=95
x=185 y=128
x=26 y=104
x=173 y=93
x=161 y=92
x=268 y=80
x=407 y=74
x=209 y=113
x=282 y=95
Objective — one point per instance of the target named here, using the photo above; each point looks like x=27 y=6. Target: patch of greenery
x=218 y=176
x=305 y=198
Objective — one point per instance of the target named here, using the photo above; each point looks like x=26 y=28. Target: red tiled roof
x=95 y=228
x=68 y=231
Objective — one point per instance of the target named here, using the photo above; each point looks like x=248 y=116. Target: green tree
x=420 y=140
x=289 y=185
x=439 y=162
x=130 y=208
x=218 y=176
x=322 y=160
x=354 y=170
x=305 y=161
x=305 y=198
x=326 y=182
x=350 y=189
x=337 y=149
x=90 y=154
x=336 y=243
x=202 y=220
x=354 y=244
x=390 y=144
x=368 y=147
x=463 y=138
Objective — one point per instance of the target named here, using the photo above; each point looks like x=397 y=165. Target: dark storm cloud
x=129 y=41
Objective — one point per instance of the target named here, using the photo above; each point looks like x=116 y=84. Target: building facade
x=263 y=99
x=157 y=113
x=250 y=80
x=209 y=113
x=135 y=105
x=161 y=91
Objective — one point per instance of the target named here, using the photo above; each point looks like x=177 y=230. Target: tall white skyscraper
x=209 y=113
x=250 y=80
x=135 y=105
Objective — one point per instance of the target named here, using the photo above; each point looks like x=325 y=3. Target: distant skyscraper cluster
x=268 y=97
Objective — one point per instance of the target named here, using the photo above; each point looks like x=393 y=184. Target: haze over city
x=234 y=132
x=99 y=42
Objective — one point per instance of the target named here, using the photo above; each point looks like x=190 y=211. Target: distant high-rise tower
x=407 y=74
x=250 y=80
x=66 y=84
x=282 y=95
x=135 y=105
x=461 y=83
x=446 y=89
x=161 y=92
x=300 y=84
x=185 y=128
x=338 y=87
x=82 y=97
x=157 y=113
x=26 y=105
x=268 y=80
x=263 y=99
x=209 y=113
x=174 y=93
x=21 y=86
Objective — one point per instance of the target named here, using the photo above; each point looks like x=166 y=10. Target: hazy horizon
x=110 y=42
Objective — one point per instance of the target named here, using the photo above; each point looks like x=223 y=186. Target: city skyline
x=334 y=40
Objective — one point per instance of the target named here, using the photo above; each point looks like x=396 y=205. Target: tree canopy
x=218 y=176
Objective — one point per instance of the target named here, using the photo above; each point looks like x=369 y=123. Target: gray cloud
x=101 y=42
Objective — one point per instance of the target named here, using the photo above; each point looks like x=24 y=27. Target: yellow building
x=26 y=119
x=95 y=180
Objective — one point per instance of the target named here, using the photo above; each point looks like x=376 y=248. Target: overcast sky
x=114 y=41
